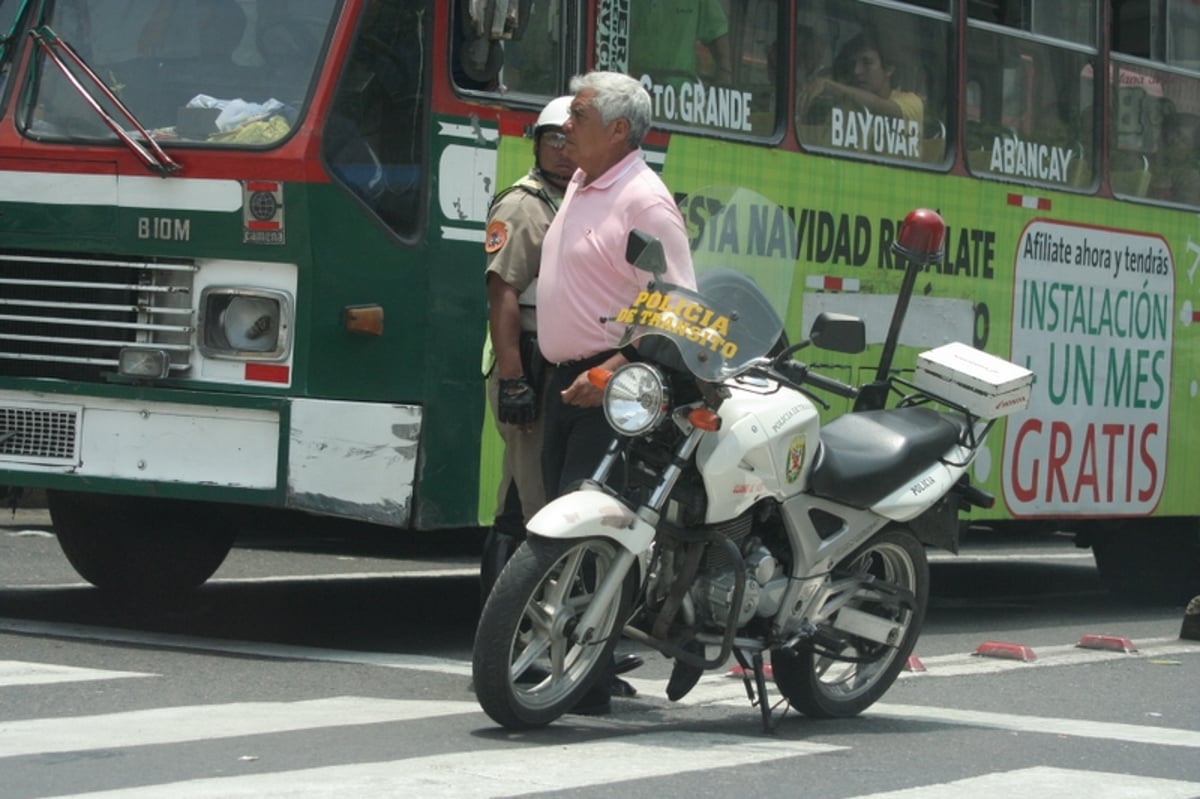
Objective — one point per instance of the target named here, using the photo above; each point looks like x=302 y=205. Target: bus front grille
x=38 y=434
x=69 y=318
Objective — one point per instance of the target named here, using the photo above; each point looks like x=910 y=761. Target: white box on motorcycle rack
x=985 y=385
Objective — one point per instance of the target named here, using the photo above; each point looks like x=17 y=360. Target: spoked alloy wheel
x=527 y=669
x=823 y=686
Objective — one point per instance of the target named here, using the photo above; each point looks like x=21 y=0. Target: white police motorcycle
x=726 y=521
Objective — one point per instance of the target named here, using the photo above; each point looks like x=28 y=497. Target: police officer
x=517 y=222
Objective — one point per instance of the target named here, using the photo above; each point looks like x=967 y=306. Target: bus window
x=872 y=80
x=707 y=64
x=1183 y=33
x=527 y=57
x=9 y=12
x=1033 y=116
x=1167 y=31
x=534 y=64
x=226 y=72
x=1156 y=125
x=373 y=141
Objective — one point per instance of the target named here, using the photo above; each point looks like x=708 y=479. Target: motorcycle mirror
x=839 y=333
x=645 y=252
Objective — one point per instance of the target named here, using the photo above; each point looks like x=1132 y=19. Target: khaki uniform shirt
x=517 y=224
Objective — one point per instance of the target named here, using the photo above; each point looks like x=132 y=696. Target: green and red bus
x=240 y=261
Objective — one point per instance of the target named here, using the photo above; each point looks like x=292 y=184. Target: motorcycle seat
x=866 y=456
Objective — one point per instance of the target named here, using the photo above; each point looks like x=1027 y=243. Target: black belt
x=585 y=363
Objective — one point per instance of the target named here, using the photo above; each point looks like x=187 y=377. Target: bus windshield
x=222 y=72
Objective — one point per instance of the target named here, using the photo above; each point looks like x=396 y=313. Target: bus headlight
x=636 y=399
x=250 y=324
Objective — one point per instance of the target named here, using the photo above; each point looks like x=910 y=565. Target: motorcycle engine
x=712 y=594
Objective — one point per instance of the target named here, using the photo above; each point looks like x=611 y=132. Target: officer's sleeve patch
x=496 y=236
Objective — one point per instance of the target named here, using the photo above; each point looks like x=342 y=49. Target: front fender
x=584 y=514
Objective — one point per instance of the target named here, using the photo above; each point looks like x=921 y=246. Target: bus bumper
x=348 y=459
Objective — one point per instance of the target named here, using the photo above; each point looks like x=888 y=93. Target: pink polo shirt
x=584 y=275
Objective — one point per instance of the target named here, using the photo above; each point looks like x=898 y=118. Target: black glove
x=518 y=401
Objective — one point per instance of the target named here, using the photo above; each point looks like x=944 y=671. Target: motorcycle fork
x=609 y=588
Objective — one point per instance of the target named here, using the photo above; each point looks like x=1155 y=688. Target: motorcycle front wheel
x=527 y=668
x=823 y=683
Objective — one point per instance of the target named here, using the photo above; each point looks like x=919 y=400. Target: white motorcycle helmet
x=555 y=114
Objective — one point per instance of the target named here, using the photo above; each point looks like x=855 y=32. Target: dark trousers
x=574 y=438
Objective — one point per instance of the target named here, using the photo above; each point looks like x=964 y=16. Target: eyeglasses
x=555 y=140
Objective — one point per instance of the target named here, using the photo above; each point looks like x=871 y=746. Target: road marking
x=465 y=571
x=332 y=577
x=16 y=672
x=1075 y=728
x=85 y=632
x=1046 y=781
x=727 y=692
x=171 y=725
x=507 y=771
x=1031 y=557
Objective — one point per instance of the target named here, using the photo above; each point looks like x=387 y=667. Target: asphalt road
x=319 y=666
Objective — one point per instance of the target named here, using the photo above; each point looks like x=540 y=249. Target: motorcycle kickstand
x=760 y=682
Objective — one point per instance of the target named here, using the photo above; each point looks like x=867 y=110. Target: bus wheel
x=1153 y=561
x=140 y=545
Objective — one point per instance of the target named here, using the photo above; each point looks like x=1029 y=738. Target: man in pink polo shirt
x=584 y=276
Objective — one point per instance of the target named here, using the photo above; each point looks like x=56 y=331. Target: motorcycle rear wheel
x=821 y=686
x=527 y=669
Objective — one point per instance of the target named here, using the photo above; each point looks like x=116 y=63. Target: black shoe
x=626 y=663
x=684 y=676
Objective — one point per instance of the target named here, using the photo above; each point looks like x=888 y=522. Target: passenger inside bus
x=663 y=39
x=861 y=105
x=1175 y=169
x=813 y=61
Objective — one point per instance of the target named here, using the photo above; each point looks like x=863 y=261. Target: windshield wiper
x=152 y=155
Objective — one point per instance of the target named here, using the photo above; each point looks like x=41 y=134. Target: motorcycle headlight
x=636 y=399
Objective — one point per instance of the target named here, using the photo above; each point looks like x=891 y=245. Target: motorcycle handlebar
x=800 y=375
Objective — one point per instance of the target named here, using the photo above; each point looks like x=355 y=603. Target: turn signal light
x=704 y=419
x=598 y=376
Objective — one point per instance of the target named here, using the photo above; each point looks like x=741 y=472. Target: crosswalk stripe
x=507 y=771
x=16 y=672
x=731 y=693
x=87 y=632
x=171 y=725
x=1076 y=728
x=1045 y=781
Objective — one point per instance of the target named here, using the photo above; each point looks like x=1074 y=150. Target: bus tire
x=141 y=546
x=1154 y=561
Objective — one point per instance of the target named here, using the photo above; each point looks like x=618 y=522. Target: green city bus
x=240 y=261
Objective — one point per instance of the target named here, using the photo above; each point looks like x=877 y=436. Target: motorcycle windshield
x=743 y=254
x=713 y=332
